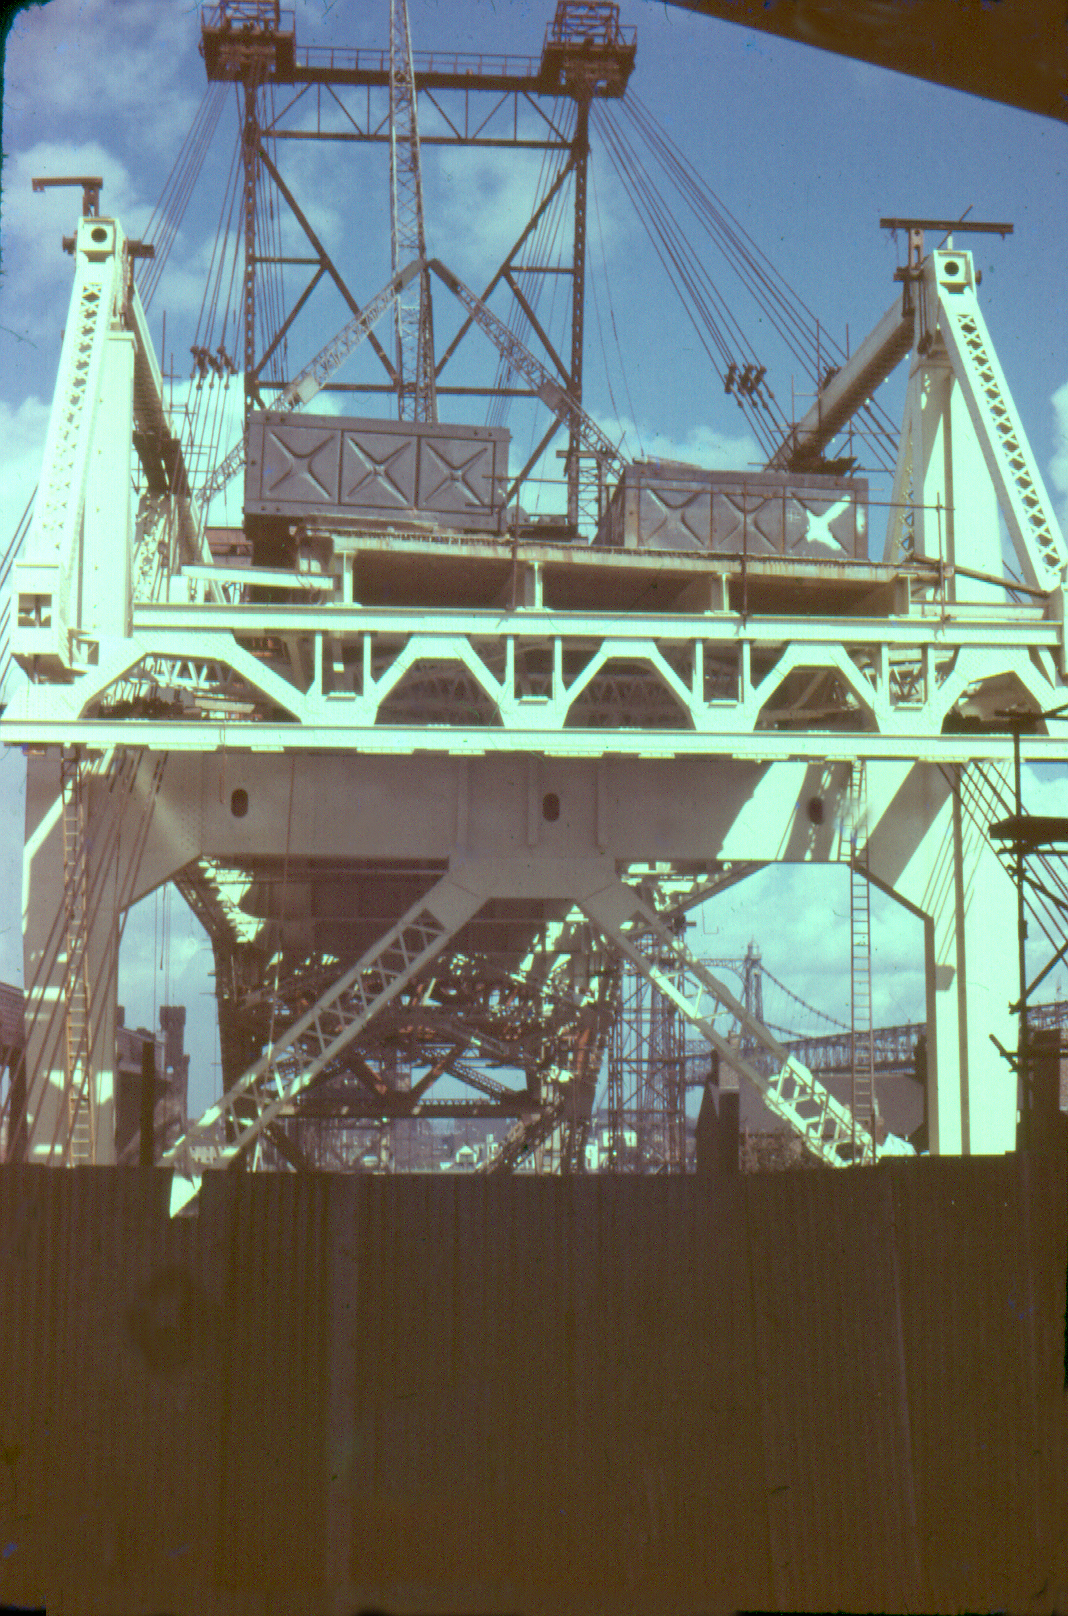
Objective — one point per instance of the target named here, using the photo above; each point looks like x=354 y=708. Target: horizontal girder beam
x=397 y=1108
x=457 y=741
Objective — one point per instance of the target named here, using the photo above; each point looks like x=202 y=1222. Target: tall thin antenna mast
x=416 y=397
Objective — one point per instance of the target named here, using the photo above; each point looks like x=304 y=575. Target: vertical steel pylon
x=416 y=394
x=862 y=1050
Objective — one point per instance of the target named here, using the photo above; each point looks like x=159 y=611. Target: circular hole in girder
x=951 y=266
x=550 y=806
x=814 y=810
x=99 y=234
x=239 y=803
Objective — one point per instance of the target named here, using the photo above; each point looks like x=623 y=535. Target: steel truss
x=317 y=1065
x=314 y=676
x=647 y=1071
x=862 y=1046
x=578 y=66
x=72 y=973
x=415 y=332
x=516 y=649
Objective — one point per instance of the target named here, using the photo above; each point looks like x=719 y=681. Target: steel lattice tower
x=416 y=397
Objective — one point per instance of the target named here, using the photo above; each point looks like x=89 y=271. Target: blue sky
x=806 y=150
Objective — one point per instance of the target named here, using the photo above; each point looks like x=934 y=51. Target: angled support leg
x=793 y=1093
x=253 y=1103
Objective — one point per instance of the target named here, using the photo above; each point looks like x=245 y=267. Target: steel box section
x=330 y=466
x=660 y=506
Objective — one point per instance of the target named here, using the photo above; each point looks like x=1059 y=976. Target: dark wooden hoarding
x=325 y=1394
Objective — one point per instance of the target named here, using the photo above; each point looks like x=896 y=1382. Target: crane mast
x=416 y=397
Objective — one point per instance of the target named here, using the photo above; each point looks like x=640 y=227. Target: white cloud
x=38 y=275
x=1044 y=786
x=478 y=202
x=158 y=929
x=74 y=61
x=775 y=908
x=702 y=446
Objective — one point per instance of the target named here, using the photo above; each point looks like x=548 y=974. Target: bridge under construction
x=445 y=745
x=434 y=772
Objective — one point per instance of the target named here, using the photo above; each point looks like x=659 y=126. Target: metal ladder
x=81 y=1107
x=862 y=1050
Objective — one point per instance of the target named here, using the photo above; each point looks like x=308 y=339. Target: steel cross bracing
x=735 y=682
x=902 y=676
x=792 y=1092
x=44 y=594
x=416 y=400
x=647 y=1069
x=68 y=971
x=587 y=55
x=1028 y=510
x=556 y=1132
x=295 y=1058
x=74 y=580
x=527 y=1018
x=585 y=431
x=298 y=1060
x=298 y=393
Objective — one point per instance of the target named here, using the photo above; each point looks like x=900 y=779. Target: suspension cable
x=811 y=1008
x=783 y=309
x=612 y=316
x=178 y=188
x=687 y=275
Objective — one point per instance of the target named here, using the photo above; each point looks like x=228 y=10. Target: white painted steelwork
x=539 y=718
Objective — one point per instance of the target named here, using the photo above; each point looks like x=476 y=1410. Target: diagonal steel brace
x=317 y=1037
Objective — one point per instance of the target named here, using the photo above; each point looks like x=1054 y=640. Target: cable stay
x=810 y=342
x=631 y=133
x=178 y=188
x=545 y=248
x=8 y=560
x=715 y=327
x=71 y=1032
x=986 y=797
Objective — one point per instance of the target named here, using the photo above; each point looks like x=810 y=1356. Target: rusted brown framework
x=483 y=101
x=647 y=1073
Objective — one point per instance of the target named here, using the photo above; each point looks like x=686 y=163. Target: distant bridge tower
x=753 y=981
